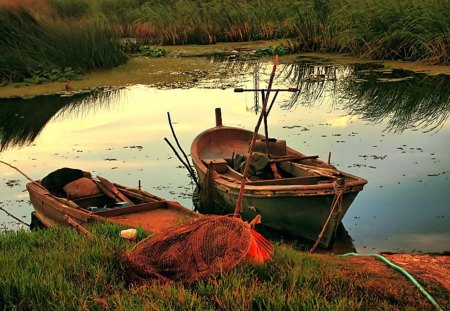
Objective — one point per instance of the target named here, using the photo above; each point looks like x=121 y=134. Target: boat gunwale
x=53 y=202
x=350 y=186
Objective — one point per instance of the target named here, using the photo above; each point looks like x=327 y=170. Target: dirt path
x=431 y=271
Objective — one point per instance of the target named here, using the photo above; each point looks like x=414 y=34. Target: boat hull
x=152 y=213
x=299 y=215
x=300 y=205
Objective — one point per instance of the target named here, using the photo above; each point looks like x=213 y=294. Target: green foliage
x=150 y=51
x=272 y=51
x=144 y=50
x=61 y=269
x=42 y=76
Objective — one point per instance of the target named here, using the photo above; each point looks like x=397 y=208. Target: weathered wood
x=110 y=186
x=279 y=159
x=51 y=211
x=305 y=180
x=131 y=209
x=218 y=112
x=76 y=225
x=138 y=196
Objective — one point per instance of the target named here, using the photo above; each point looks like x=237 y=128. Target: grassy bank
x=61 y=269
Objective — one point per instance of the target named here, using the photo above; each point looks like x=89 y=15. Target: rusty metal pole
x=218 y=117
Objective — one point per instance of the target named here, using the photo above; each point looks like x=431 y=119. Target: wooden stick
x=253 y=141
x=23 y=174
x=184 y=163
x=26 y=176
x=189 y=167
x=11 y=215
x=76 y=225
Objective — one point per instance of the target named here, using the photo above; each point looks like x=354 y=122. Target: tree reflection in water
x=403 y=99
x=22 y=120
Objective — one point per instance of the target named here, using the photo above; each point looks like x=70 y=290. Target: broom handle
x=252 y=144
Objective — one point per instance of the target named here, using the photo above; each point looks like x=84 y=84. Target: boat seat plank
x=278 y=159
x=94 y=200
x=132 y=209
x=304 y=180
x=220 y=165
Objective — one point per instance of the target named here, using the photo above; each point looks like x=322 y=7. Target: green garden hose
x=401 y=270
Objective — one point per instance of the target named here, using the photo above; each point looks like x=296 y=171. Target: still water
x=389 y=127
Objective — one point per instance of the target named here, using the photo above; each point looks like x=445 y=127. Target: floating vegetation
x=41 y=76
x=272 y=51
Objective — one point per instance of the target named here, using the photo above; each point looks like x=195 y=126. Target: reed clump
x=60 y=269
x=31 y=43
x=85 y=35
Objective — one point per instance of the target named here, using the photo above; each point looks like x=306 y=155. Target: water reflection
x=404 y=98
x=120 y=134
x=21 y=121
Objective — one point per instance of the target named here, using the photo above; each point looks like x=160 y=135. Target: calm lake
x=389 y=127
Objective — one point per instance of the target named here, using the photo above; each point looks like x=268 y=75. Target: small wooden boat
x=141 y=209
x=299 y=201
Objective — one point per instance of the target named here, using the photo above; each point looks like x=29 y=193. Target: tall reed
x=394 y=29
x=31 y=42
x=84 y=34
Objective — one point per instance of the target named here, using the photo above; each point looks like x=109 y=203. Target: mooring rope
x=337 y=200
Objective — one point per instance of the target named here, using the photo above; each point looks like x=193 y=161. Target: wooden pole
x=218 y=112
x=252 y=144
x=76 y=225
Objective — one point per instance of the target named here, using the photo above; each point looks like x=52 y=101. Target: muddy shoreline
x=180 y=67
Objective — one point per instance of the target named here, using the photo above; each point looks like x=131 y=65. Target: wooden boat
x=144 y=209
x=300 y=202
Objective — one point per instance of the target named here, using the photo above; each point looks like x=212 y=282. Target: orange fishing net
x=201 y=247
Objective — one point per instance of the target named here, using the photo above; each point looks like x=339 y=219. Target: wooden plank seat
x=131 y=209
x=219 y=165
x=304 y=180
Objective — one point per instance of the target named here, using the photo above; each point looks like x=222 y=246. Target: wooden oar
x=117 y=195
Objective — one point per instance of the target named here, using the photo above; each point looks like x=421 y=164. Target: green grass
x=60 y=269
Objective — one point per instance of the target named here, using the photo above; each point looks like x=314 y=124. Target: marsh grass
x=389 y=29
x=84 y=34
x=31 y=43
x=59 y=269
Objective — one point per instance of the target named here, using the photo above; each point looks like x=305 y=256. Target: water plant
x=137 y=48
x=272 y=51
